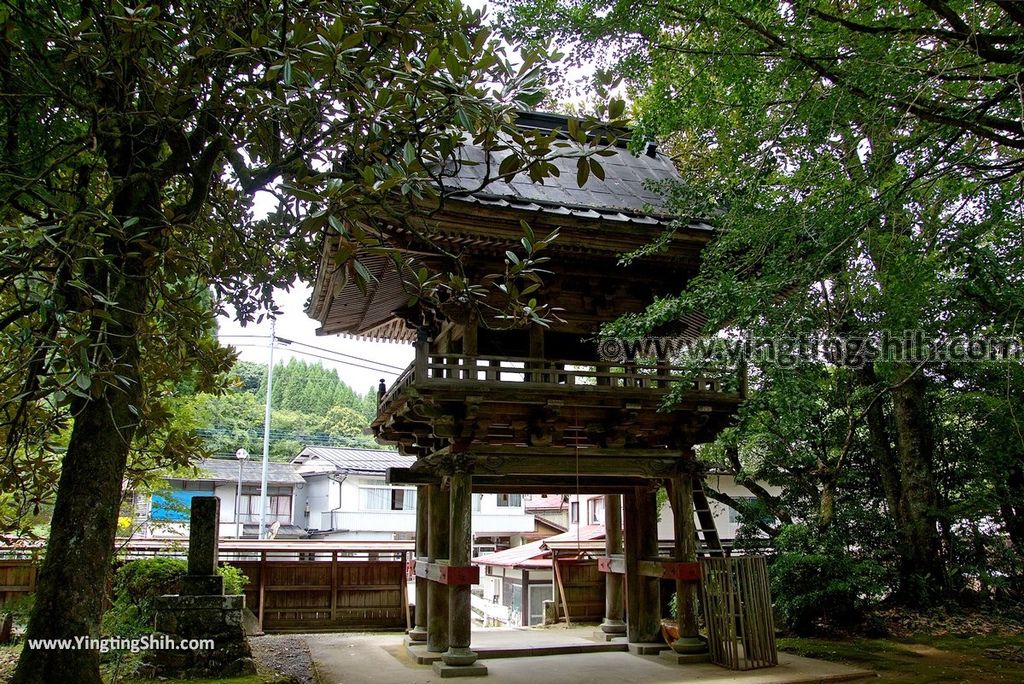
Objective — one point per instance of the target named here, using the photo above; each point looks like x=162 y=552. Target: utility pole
x=266 y=436
x=241 y=455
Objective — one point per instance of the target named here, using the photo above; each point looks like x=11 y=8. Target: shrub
x=138 y=583
x=816 y=580
x=234 y=579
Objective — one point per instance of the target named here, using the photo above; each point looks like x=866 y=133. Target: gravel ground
x=284 y=654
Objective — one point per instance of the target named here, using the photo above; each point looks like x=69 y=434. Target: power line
x=326 y=358
x=285 y=340
x=349 y=356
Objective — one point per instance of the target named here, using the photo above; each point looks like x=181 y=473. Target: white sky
x=295 y=325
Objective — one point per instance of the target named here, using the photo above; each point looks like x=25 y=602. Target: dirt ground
x=285 y=654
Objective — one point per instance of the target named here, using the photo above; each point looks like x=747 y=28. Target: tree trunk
x=923 y=570
x=1011 y=504
x=908 y=482
x=73 y=576
x=880 y=443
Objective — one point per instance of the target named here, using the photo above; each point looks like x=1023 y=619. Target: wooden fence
x=579 y=589
x=738 y=612
x=17 y=578
x=332 y=593
x=307 y=585
x=315 y=585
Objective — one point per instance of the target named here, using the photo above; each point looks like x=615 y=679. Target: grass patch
x=249 y=679
x=921 y=659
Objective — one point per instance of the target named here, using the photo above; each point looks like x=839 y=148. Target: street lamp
x=241 y=455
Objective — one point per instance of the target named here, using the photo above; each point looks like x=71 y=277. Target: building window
x=478 y=501
x=595 y=507
x=403 y=499
x=279 y=505
x=574 y=512
x=387 y=499
x=510 y=500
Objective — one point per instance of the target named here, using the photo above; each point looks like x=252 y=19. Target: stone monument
x=201 y=610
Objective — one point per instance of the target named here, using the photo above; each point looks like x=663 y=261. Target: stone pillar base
x=606 y=637
x=613 y=627
x=444 y=671
x=417 y=634
x=648 y=648
x=686 y=658
x=218 y=618
x=689 y=645
x=459 y=656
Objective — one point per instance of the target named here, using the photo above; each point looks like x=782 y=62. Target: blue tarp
x=174 y=506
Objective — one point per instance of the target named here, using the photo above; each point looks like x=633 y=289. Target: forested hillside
x=311 y=405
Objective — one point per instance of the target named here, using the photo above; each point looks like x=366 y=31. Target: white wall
x=490 y=519
x=337 y=506
x=725 y=522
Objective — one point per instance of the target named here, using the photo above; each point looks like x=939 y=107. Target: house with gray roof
x=323 y=493
x=164 y=512
x=346 y=497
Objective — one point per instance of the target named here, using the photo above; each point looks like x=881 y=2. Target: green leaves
x=582 y=171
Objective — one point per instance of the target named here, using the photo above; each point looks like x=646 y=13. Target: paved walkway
x=359 y=658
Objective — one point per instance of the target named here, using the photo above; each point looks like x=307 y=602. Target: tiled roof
x=524 y=556
x=535 y=554
x=620 y=208
x=374 y=461
x=226 y=470
x=623 y=195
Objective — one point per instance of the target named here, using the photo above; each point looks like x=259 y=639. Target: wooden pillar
x=643 y=596
x=632 y=566
x=419 y=630
x=536 y=334
x=470 y=335
x=613 y=609
x=460 y=612
x=437 y=550
x=262 y=591
x=680 y=491
x=525 y=621
x=422 y=353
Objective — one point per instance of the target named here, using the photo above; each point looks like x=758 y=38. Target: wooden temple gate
x=488 y=406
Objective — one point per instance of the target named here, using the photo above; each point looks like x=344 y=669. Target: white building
x=588 y=509
x=324 y=493
x=346 y=497
x=164 y=512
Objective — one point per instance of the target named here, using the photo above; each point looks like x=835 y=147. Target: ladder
x=707 y=534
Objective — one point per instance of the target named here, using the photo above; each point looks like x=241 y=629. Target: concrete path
x=359 y=658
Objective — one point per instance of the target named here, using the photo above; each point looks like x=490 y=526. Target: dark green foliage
x=862 y=165
x=138 y=583
x=815 y=578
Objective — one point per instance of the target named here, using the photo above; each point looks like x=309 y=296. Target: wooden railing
x=491 y=370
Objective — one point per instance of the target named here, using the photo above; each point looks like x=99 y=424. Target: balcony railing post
x=422 y=355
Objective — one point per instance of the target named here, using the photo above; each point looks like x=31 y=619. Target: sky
x=295 y=325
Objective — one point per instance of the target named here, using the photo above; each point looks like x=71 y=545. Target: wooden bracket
x=452 y=575
x=664 y=568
